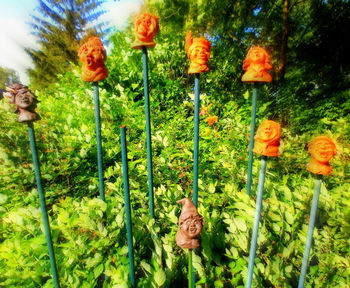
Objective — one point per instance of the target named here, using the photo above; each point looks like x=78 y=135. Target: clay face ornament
x=146 y=27
x=93 y=56
x=267 y=138
x=190 y=226
x=25 y=102
x=322 y=150
x=256 y=65
x=198 y=51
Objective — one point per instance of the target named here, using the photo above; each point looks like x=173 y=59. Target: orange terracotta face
x=146 y=27
x=198 y=51
x=257 y=63
x=322 y=149
x=93 y=56
x=267 y=138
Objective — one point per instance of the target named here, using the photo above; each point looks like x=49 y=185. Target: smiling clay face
x=322 y=149
x=267 y=138
x=191 y=225
x=256 y=65
x=198 y=52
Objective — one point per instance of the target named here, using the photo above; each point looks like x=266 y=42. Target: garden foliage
x=89 y=235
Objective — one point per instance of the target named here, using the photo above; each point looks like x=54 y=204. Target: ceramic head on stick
x=25 y=102
x=198 y=52
x=145 y=27
x=190 y=226
x=322 y=150
x=256 y=65
x=267 y=138
x=93 y=56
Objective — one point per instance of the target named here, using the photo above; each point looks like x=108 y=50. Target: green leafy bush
x=89 y=235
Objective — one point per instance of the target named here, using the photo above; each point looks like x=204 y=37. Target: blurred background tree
x=59 y=26
x=7 y=77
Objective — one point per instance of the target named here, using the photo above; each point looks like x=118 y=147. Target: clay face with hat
x=190 y=226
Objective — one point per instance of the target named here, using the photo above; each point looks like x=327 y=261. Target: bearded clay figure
x=25 y=102
x=322 y=149
x=267 y=138
x=146 y=27
x=190 y=226
x=93 y=56
x=198 y=51
x=256 y=65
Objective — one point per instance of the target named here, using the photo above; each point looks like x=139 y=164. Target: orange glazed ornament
x=93 y=56
x=256 y=65
x=146 y=27
x=322 y=149
x=198 y=51
x=267 y=138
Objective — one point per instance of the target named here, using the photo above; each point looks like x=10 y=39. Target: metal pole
x=310 y=230
x=98 y=140
x=43 y=204
x=148 y=131
x=127 y=205
x=251 y=143
x=189 y=268
x=258 y=207
x=196 y=139
x=195 y=154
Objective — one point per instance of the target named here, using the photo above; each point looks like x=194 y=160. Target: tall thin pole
x=43 y=204
x=251 y=143
x=98 y=140
x=258 y=207
x=195 y=155
x=310 y=231
x=196 y=139
x=190 y=268
x=148 y=131
x=127 y=205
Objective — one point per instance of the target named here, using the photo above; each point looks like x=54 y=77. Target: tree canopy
x=59 y=27
x=7 y=77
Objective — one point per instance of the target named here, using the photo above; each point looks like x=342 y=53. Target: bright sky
x=15 y=32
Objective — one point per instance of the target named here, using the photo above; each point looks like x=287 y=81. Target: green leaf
x=98 y=270
x=160 y=277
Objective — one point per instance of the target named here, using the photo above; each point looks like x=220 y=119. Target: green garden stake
x=190 y=268
x=148 y=132
x=322 y=149
x=256 y=65
x=195 y=155
x=258 y=206
x=98 y=140
x=145 y=28
x=266 y=144
x=25 y=102
x=127 y=205
x=43 y=204
x=251 y=142
x=196 y=139
x=310 y=231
